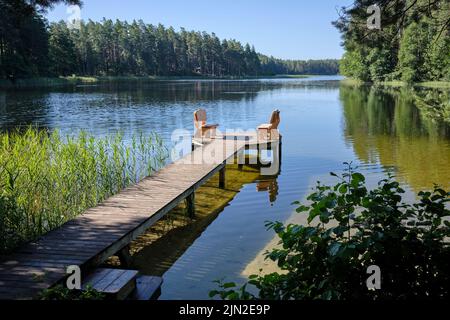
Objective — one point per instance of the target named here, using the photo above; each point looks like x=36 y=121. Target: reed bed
x=47 y=179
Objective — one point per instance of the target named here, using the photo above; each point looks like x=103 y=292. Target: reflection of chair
x=203 y=129
x=268 y=185
x=270 y=130
x=263 y=185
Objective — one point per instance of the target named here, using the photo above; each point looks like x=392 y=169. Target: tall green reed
x=47 y=179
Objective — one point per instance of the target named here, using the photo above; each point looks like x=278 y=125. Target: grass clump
x=61 y=293
x=47 y=179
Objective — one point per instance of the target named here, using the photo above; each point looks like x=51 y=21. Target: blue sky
x=289 y=29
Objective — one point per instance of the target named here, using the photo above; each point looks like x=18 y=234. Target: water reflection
x=157 y=105
x=323 y=124
x=164 y=243
x=391 y=127
x=270 y=186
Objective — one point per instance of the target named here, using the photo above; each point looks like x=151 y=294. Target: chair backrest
x=199 y=118
x=275 y=119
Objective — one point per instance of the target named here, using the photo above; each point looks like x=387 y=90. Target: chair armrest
x=265 y=126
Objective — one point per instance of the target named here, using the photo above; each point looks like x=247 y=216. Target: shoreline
x=57 y=82
x=49 y=82
x=398 y=84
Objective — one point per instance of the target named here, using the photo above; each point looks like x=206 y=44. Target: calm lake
x=323 y=122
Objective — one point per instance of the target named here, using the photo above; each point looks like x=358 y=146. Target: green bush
x=351 y=228
x=60 y=293
x=354 y=65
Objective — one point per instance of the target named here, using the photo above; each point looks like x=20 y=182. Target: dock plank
x=147 y=287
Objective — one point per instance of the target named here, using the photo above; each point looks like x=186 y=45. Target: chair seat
x=265 y=126
x=210 y=126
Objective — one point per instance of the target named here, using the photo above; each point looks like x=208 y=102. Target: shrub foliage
x=351 y=228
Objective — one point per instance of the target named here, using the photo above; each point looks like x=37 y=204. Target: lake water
x=323 y=123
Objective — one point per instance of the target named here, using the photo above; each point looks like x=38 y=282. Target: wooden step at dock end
x=147 y=288
x=114 y=283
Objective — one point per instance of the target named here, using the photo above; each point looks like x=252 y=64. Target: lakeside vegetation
x=412 y=45
x=47 y=179
x=425 y=84
x=120 y=48
x=351 y=228
x=44 y=82
x=400 y=84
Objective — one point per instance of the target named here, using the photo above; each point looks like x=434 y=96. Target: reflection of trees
x=42 y=107
x=434 y=104
x=19 y=109
x=388 y=126
x=202 y=90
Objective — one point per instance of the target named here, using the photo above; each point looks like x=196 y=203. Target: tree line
x=31 y=47
x=122 y=48
x=413 y=44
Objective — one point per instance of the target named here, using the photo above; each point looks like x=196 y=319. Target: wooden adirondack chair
x=269 y=131
x=203 y=130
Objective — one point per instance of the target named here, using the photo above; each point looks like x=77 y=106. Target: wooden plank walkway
x=101 y=232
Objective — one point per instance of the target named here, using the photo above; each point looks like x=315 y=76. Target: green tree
x=116 y=48
x=62 y=51
x=23 y=37
x=438 y=58
x=353 y=65
x=403 y=48
x=413 y=48
x=381 y=63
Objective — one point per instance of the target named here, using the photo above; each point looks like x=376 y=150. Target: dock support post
x=258 y=154
x=222 y=177
x=125 y=256
x=280 y=143
x=241 y=159
x=190 y=205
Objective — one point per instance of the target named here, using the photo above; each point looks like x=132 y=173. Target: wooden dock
x=108 y=229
